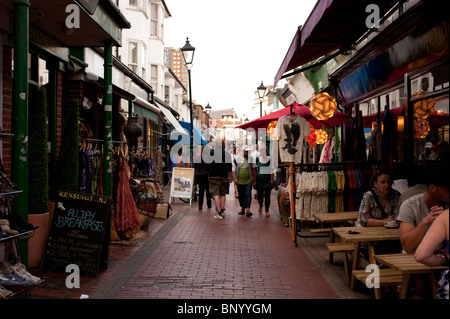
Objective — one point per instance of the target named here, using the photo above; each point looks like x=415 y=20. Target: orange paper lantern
x=424 y=108
x=323 y=106
x=271 y=130
x=321 y=136
x=422 y=128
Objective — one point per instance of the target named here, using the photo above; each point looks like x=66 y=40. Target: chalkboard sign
x=78 y=232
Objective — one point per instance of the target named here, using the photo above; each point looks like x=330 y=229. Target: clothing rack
x=101 y=141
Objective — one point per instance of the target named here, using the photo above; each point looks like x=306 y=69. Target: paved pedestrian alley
x=191 y=255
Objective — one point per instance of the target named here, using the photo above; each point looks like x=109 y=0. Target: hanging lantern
x=323 y=106
x=422 y=128
x=271 y=130
x=322 y=136
x=424 y=108
x=311 y=138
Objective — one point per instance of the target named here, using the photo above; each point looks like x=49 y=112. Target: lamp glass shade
x=188 y=52
x=208 y=109
x=261 y=90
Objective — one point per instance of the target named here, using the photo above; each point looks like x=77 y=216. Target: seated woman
x=380 y=204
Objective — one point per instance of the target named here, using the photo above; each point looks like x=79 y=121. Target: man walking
x=219 y=171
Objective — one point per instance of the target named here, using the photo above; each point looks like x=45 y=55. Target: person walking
x=263 y=181
x=234 y=156
x=219 y=171
x=243 y=178
x=201 y=178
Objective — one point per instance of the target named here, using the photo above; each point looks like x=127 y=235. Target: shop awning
x=199 y=138
x=332 y=25
x=171 y=119
x=104 y=23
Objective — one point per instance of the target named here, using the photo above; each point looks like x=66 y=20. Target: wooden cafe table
x=370 y=235
x=407 y=265
x=336 y=218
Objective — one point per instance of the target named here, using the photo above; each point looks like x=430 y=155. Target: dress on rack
x=127 y=215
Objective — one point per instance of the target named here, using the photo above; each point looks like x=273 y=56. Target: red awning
x=299 y=110
x=332 y=25
x=436 y=120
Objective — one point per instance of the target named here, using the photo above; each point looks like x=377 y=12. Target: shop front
x=40 y=51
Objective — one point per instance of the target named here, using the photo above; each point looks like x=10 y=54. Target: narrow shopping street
x=191 y=255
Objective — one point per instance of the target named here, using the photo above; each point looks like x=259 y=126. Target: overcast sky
x=238 y=44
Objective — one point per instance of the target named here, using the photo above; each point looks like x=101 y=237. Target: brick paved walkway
x=192 y=255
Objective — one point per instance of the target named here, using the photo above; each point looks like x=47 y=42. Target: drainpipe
x=20 y=112
x=107 y=100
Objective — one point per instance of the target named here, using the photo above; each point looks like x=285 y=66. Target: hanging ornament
x=311 y=138
x=422 y=128
x=322 y=136
x=271 y=130
x=323 y=106
x=424 y=108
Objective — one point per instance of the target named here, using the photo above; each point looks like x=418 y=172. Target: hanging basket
x=323 y=106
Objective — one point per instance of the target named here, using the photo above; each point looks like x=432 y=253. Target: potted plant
x=38 y=214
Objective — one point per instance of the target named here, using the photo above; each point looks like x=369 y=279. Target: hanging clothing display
x=292 y=131
x=86 y=169
x=126 y=215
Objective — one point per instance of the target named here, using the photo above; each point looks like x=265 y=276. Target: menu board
x=78 y=232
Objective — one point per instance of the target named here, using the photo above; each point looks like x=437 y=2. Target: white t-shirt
x=291 y=130
x=413 y=210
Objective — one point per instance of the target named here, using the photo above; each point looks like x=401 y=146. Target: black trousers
x=264 y=197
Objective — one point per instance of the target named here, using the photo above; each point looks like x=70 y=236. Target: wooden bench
x=341 y=247
x=388 y=277
x=320 y=230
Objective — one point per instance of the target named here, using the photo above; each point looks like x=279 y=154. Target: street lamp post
x=261 y=94
x=188 y=56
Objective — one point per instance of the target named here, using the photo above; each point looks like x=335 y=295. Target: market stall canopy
x=298 y=110
x=172 y=119
x=332 y=25
x=436 y=119
x=199 y=138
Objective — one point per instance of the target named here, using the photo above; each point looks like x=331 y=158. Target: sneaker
x=267 y=215
x=260 y=210
x=19 y=269
x=209 y=206
x=241 y=212
x=200 y=208
x=249 y=214
x=218 y=216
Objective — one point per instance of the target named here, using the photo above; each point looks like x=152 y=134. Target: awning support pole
x=20 y=113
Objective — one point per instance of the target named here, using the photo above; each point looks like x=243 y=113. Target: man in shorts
x=219 y=171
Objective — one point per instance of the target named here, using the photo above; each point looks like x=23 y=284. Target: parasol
x=299 y=110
